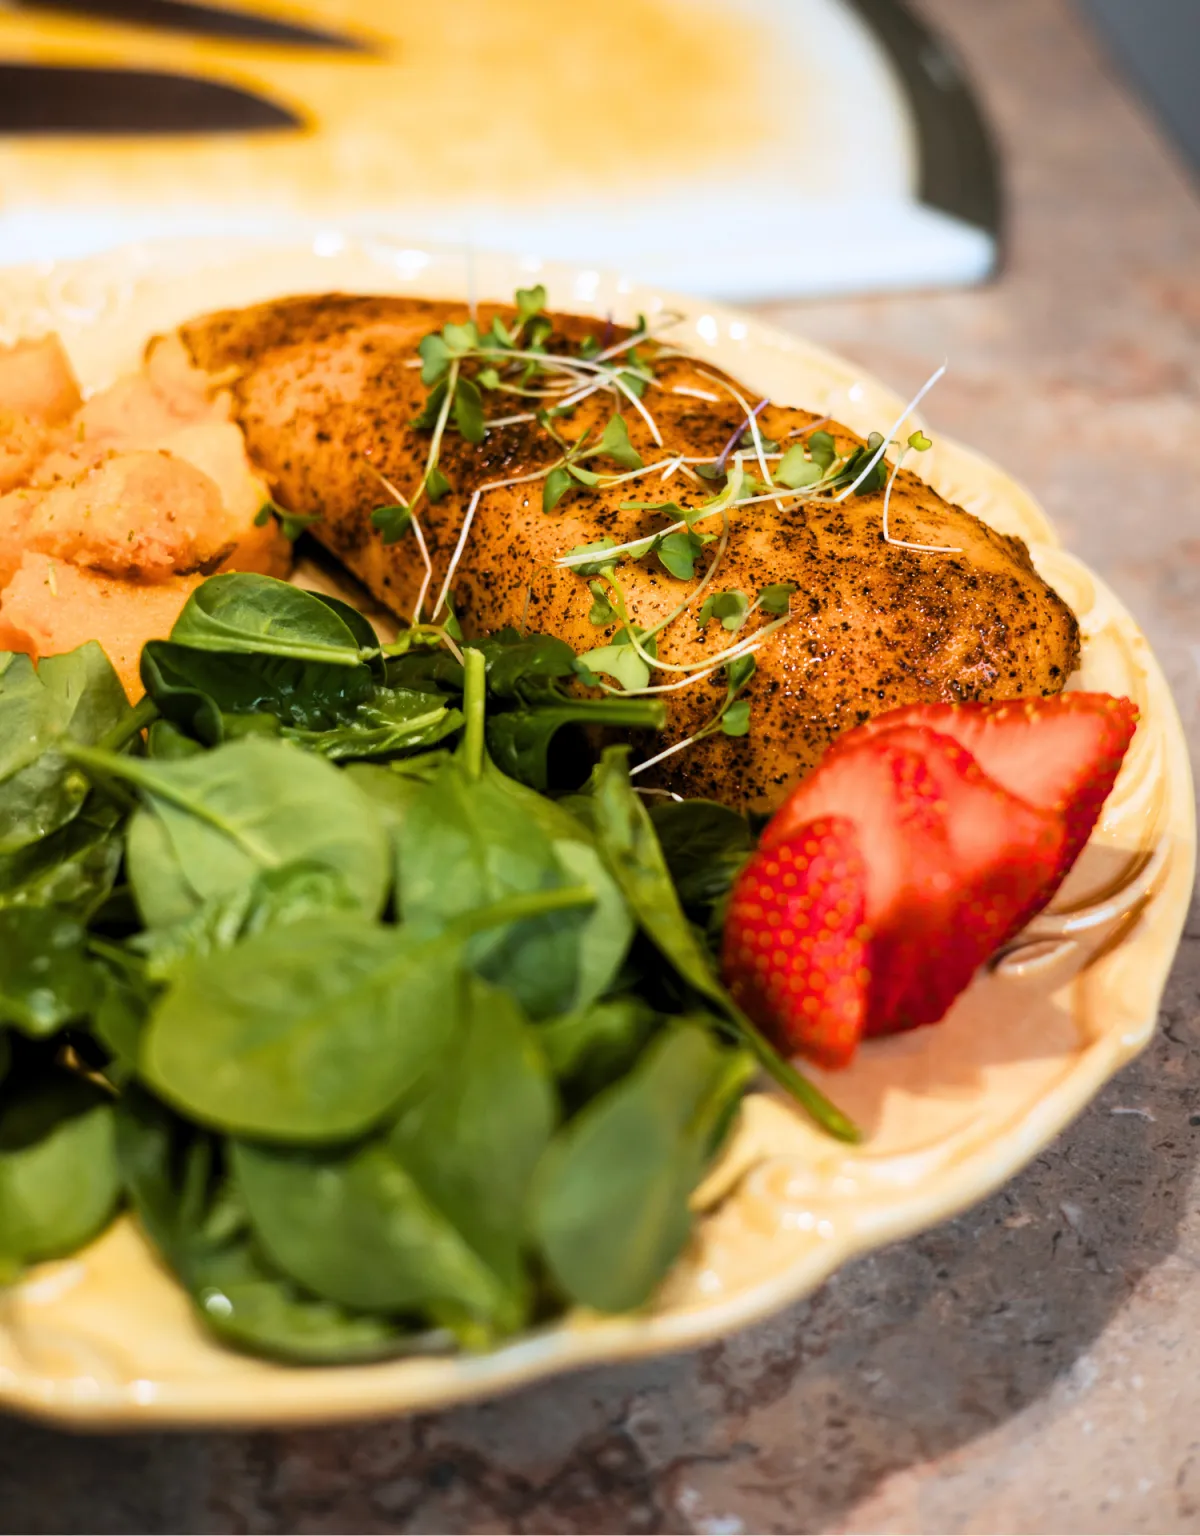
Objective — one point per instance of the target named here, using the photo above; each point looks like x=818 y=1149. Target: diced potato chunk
x=37 y=380
x=146 y=515
x=23 y=441
x=219 y=450
x=52 y=606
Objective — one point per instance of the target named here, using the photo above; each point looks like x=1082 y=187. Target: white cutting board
x=795 y=175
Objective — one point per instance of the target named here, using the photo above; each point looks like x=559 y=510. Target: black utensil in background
x=65 y=99
x=199 y=20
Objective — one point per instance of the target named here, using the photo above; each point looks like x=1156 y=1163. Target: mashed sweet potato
x=113 y=509
x=52 y=605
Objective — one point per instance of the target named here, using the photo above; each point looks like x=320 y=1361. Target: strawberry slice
x=953 y=862
x=795 y=949
x=967 y=818
x=1061 y=754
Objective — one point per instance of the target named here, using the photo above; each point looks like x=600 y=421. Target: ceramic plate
x=107 y=1338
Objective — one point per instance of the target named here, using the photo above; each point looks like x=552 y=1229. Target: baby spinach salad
x=394 y=1026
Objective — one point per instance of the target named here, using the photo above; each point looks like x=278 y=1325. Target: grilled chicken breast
x=326 y=391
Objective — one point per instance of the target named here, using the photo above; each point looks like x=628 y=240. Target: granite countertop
x=1027 y=1367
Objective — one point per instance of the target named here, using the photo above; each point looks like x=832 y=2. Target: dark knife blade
x=201 y=21
x=61 y=99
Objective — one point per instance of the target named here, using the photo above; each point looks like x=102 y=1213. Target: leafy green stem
x=517 y=908
x=116 y=954
x=144 y=713
x=475 y=709
x=633 y=713
x=104 y=767
x=827 y=1115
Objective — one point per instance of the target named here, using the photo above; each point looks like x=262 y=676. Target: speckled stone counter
x=1035 y=1365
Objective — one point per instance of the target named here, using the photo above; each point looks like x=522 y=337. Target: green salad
x=387 y=1008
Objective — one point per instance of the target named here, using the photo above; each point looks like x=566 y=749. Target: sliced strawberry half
x=1060 y=754
x=795 y=950
x=954 y=862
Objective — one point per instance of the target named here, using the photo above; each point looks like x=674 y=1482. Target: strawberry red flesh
x=954 y=862
x=1060 y=754
x=795 y=948
x=954 y=824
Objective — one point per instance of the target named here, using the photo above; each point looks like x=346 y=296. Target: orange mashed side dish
x=114 y=508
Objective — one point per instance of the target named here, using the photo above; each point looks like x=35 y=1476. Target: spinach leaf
x=392 y=720
x=195 y=689
x=75 y=697
x=359 y=626
x=473 y=1137
x=514 y=659
x=168 y=1169
x=611 y=1203
x=431 y=1215
x=705 y=844
x=46 y=978
x=341 y=712
x=519 y=739
x=118 y=1018
x=628 y=841
x=58 y=1169
x=272 y=898
x=355 y=1228
x=167 y=743
x=593 y=1046
x=191 y=1213
x=607 y=928
x=261 y=616
x=307 y=1032
x=311 y=1032
x=163 y=895
x=425 y=671
x=469 y=841
x=73 y=868
x=220 y=818
x=393 y=788
x=626 y=836
x=247 y=1305
x=523 y=674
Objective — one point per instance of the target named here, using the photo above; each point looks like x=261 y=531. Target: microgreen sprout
x=602 y=611
x=731 y=608
x=735 y=438
x=291 y=524
x=777 y=597
x=919 y=442
x=465 y=530
x=393 y=521
x=879 y=451
x=752 y=416
x=418 y=534
x=731 y=719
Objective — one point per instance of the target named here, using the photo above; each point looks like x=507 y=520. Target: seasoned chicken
x=326 y=392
